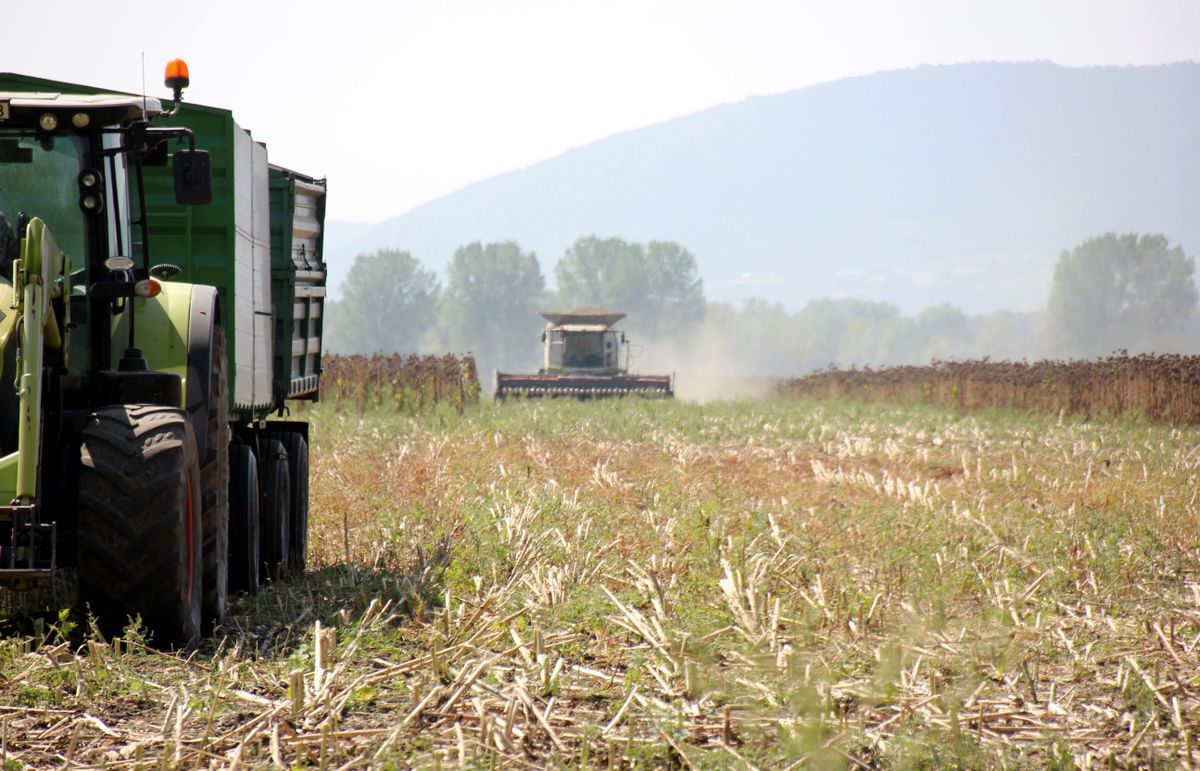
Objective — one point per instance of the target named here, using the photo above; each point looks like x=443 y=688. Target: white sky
x=401 y=102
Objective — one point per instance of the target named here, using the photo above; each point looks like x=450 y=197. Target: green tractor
x=158 y=304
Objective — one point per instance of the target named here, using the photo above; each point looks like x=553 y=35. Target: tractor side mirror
x=193 y=177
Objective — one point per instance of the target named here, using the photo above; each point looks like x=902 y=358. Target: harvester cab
x=583 y=357
x=584 y=343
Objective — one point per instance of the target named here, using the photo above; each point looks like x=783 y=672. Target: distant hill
x=957 y=184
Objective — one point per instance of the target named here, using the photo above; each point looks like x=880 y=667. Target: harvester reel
x=593 y=387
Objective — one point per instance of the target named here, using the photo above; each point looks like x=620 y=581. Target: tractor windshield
x=40 y=177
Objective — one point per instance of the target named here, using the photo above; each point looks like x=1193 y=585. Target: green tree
x=657 y=285
x=940 y=332
x=594 y=271
x=871 y=342
x=1119 y=291
x=491 y=304
x=1006 y=335
x=756 y=339
x=840 y=332
x=388 y=305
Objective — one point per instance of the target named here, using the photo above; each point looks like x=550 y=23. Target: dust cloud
x=706 y=367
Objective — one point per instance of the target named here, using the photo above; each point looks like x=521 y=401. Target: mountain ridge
x=940 y=183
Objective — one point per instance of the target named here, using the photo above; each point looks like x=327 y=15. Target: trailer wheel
x=243 y=519
x=274 y=508
x=139 y=522
x=297 y=450
x=214 y=476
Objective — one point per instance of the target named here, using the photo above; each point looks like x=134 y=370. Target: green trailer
x=161 y=295
x=260 y=243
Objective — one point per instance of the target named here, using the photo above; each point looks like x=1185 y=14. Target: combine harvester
x=583 y=358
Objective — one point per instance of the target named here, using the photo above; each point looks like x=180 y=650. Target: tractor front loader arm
x=35 y=282
x=27 y=552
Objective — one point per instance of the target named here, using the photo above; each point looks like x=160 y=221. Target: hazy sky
x=401 y=102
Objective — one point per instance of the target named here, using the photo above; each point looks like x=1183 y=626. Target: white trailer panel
x=252 y=272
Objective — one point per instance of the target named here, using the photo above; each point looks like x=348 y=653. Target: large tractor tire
x=139 y=522
x=243 y=519
x=297 y=451
x=275 y=508
x=214 y=478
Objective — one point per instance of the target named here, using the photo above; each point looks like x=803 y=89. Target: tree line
x=493 y=293
x=1115 y=291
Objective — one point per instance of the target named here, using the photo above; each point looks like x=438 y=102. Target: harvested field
x=631 y=584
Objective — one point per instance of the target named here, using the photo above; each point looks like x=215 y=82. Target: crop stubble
x=647 y=584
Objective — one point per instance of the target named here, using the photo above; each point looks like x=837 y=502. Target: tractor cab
x=74 y=162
